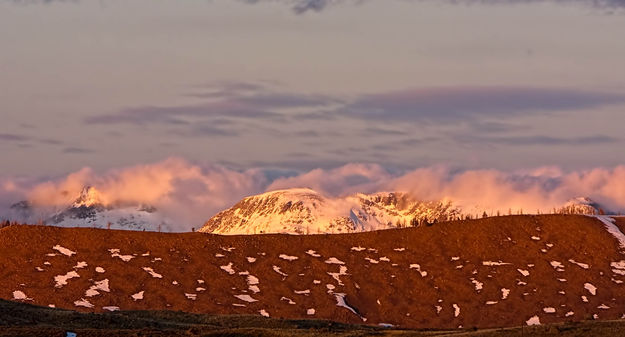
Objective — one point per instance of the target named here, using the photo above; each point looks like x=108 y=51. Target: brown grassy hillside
x=492 y=272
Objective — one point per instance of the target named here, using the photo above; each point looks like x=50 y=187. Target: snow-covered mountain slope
x=304 y=211
x=89 y=210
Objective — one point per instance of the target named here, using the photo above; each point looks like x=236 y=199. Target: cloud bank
x=303 y=6
x=188 y=194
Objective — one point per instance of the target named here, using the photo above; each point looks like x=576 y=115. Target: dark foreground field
x=20 y=319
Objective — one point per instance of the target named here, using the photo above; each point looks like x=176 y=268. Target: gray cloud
x=539 y=140
x=467 y=103
x=304 y=6
x=10 y=137
x=77 y=150
x=229 y=100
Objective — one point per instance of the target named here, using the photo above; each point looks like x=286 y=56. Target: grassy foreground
x=20 y=319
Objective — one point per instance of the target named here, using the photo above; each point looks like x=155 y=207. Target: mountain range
x=294 y=211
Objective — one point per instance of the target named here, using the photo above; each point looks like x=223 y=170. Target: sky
x=291 y=87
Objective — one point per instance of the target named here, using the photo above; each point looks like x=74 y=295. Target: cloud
x=10 y=137
x=304 y=6
x=538 y=140
x=233 y=101
x=185 y=194
x=77 y=150
x=188 y=194
x=469 y=103
x=540 y=189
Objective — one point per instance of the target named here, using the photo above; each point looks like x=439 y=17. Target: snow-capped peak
x=89 y=196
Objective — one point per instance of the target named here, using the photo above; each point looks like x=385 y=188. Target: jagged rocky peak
x=89 y=196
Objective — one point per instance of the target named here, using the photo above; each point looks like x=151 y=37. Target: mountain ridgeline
x=304 y=211
x=294 y=211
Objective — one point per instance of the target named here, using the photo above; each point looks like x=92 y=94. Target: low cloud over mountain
x=188 y=194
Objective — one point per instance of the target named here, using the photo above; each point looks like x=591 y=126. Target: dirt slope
x=500 y=271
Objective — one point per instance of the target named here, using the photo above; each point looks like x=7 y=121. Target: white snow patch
x=478 y=285
x=491 y=302
x=138 y=296
x=456 y=310
x=99 y=270
x=228 y=268
x=251 y=259
x=192 y=297
x=455 y=258
x=549 y=310
x=64 y=250
x=534 y=320
x=219 y=255
x=111 y=308
x=19 y=295
x=504 y=293
x=152 y=272
x=603 y=307
x=198 y=289
x=279 y=271
x=535 y=238
x=302 y=292
x=492 y=263
x=288 y=257
x=581 y=265
x=263 y=313
x=61 y=280
x=399 y=249
x=83 y=303
x=115 y=252
x=313 y=253
x=385 y=259
x=358 y=249
x=340 y=302
x=80 y=265
x=584 y=299
x=334 y=260
x=39 y=269
x=618 y=267
x=288 y=300
x=310 y=312
x=557 y=265
x=336 y=276
x=418 y=268
x=252 y=282
x=613 y=229
x=246 y=298
x=568 y=314
x=591 y=288
x=102 y=285
x=373 y=261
